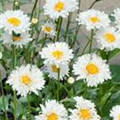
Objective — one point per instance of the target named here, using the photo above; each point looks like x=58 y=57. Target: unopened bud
x=16 y=3
x=71 y=80
x=34 y=20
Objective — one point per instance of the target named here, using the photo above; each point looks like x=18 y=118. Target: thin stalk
x=85 y=47
x=3 y=5
x=93 y=4
x=28 y=53
x=77 y=27
x=58 y=89
x=67 y=27
x=15 y=96
x=58 y=29
x=91 y=41
x=34 y=7
x=29 y=107
x=44 y=41
x=3 y=100
x=85 y=91
x=16 y=6
x=79 y=4
x=75 y=37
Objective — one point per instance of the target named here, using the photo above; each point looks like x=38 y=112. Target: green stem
x=58 y=89
x=77 y=27
x=28 y=53
x=3 y=100
x=58 y=29
x=16 y=7
x=75 y=37
x=85 y=90
x=34 y=7
x=91 y=41
x=29 y=107
x=85 y=47
x=93 y=3
x=67 y=27
x=3 y=5
x=15 y=96
x=44 y=41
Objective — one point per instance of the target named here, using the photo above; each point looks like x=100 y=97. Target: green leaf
x=115 y=69
x=114 y=53
x=4 y=99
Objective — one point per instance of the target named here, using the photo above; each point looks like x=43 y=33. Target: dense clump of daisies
x=58 y=60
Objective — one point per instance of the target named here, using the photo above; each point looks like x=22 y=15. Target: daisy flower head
x=49 y=28
x=93 y=19
x=52 y=111
x=16 y=21
x=108 y=38
x=56 y=53
x=59 y=8
x=116 y=15
x=53 y=70
x=18 y=40
x=26 y=79
x=115 y=112
x=85 y=110
x=92 y=69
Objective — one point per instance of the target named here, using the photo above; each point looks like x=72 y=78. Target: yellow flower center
x=17 y=38
x=92 y=69
x=26 y=80
x=85 y=114
x=57 y=54
x=119 y=117
x=94 y=19
x=48 y=29
x=14 y=21
x=53 y=116
x=110 y=37
x=55 y=68
x=59 y=6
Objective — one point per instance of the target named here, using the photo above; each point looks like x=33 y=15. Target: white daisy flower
x=52 y=111
x=26 y=79
x=56 y=53
x=15 y=21
x=60 y=8
x=53 y=70
x=73 y=5
x=92 y=69
x=49 y=28
x=85 y=110
x=19 y=40
x=116 y=14
x=115 y=112
x=108 y=38
x=93 y=19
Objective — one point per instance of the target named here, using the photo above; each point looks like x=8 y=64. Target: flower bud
x=34 y=20
x=71 y=80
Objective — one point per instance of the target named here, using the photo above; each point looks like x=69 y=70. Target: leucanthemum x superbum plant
x=47 y=73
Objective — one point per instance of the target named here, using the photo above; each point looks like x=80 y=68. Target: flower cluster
x=16 y=25
x=52 y=65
